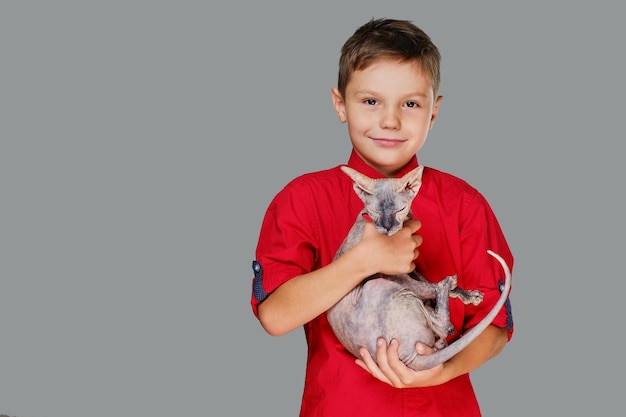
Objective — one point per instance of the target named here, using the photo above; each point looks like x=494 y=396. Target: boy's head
x=388 y=39
x=387 y=92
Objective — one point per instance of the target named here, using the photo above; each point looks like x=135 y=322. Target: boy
x=387 y=95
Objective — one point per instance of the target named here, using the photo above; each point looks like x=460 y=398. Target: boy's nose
x=390 y=120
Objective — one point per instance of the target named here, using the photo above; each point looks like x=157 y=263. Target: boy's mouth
x=388 y=143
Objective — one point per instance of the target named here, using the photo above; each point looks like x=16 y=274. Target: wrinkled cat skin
x=405 y=307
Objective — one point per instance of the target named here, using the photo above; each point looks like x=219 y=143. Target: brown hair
x=388 y=39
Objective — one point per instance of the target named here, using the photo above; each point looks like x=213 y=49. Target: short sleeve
x=480 y=231
x=287 y=244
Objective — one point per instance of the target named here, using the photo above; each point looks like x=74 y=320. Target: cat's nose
x=388 y=225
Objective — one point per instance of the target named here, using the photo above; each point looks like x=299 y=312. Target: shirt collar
x=360 y=165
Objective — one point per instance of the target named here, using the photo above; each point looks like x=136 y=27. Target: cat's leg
x=441 y=317
x=428 y=291
x=423 y=288
x=353 y=237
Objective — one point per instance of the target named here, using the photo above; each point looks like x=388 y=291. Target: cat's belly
x=381 y=308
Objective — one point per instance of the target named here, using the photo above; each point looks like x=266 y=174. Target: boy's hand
x=391 y=370
x=392 y=254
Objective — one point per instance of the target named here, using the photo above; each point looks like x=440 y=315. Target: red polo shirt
x=304 y=226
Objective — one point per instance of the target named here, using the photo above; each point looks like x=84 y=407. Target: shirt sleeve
x=480 y=231
x=287 y=243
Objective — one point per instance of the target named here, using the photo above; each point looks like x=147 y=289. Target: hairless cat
x=405 y=307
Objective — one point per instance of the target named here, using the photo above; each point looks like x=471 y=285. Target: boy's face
x=389 y=107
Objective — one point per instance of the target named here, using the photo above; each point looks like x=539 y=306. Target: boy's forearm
x=486 y=346
x=305 y=297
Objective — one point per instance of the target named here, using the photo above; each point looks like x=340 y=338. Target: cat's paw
x=452 y=280
x=475 y=297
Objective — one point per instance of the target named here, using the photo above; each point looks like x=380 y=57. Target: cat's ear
x=412 y=180
x=361 y=182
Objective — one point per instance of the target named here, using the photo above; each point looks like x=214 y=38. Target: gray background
x=140 y=144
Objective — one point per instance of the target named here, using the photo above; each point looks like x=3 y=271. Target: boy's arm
x=486 y=346
x=303 y=298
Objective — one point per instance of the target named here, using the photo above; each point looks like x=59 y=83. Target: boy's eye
x=412 y=104
x=370 y=101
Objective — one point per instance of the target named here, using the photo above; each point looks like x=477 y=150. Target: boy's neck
x=364 y=168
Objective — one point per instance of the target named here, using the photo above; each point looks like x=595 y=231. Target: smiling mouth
x=388 y=142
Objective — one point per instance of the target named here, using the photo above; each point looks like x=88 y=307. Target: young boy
x=387 y=94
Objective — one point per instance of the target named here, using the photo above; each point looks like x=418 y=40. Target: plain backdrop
x=141 y=142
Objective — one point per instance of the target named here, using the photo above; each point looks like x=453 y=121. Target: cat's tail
x=421 y=362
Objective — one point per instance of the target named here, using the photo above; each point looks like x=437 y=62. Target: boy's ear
x=339 y=104
x=435 y=112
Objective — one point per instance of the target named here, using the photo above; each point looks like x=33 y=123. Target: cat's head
x=387 y=200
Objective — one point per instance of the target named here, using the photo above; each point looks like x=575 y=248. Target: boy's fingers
x=423 y=349
x=367 y=362
x=413 y=225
